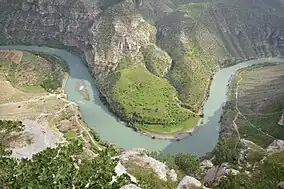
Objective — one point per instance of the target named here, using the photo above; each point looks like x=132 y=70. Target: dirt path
x=240 y=113
x=27 y=101
x=86 y=130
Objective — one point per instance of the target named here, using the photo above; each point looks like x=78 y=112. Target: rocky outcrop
x=120 y=170
x=189 y=182
x=214 y=174
x=138 y=157
x=276 y=146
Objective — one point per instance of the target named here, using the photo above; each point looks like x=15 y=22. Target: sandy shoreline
x=176 y=137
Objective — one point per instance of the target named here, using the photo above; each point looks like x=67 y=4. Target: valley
x=87 y=84
x=180 y=43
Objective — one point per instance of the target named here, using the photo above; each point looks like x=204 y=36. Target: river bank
x=178 y=137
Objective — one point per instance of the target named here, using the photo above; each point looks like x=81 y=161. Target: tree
x=188 y=163
x=226 y=151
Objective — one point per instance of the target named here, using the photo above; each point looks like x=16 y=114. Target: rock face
x=189 y=182
x=200 y=38
x=276 y=145
x=139 y=158
x=120 y=170
x=214 y=174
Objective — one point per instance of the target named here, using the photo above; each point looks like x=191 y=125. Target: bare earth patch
x=11 y=55
x=43 y=137
x=49 y=119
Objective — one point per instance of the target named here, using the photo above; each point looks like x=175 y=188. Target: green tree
x=226 y=151
x=188 y=163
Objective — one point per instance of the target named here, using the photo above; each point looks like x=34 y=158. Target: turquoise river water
x=110 y=129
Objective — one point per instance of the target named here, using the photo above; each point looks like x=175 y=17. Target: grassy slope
x=145 y=98
x=150 y=102
x=194 y=53
x=261 y=129
x=33 y=73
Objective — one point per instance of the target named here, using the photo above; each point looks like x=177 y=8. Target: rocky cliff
x=183 y=42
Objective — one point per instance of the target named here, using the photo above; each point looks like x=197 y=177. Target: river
x=110 y=129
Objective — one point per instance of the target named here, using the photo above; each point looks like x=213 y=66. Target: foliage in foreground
x=148 y=179
x=61 y=167
x=6 y=128
x=186 y=163
x=267 y=176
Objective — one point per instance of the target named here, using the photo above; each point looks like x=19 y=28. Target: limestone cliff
x=184 y=42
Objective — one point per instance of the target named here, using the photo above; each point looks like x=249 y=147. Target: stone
x=206 y=164
x=188 y=182
x=130 y=186
x=172 y=175
x=232 y=171
x=214 y=174
x=280 y=185
x=281 y=121
x=276 y=145
x=120 y=170
x=247 y=173
x=140 y=158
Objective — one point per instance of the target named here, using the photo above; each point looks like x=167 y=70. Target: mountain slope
x=182 y=42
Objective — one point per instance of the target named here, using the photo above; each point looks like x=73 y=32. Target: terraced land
x=256 y=103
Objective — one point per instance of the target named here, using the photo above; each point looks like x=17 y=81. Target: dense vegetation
x=61 y=167
x=149 y=102
x=148 y=179
x=267 y=176
x=36 y=72
x=185 y=163
x=226 y=151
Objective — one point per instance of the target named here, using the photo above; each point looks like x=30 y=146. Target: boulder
x=140 y=158
x=214 y=174
x=189 y=182
x=280 y=185
x=120 y=170
x=276 y=145
x=206 y=164
x=232 y=171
